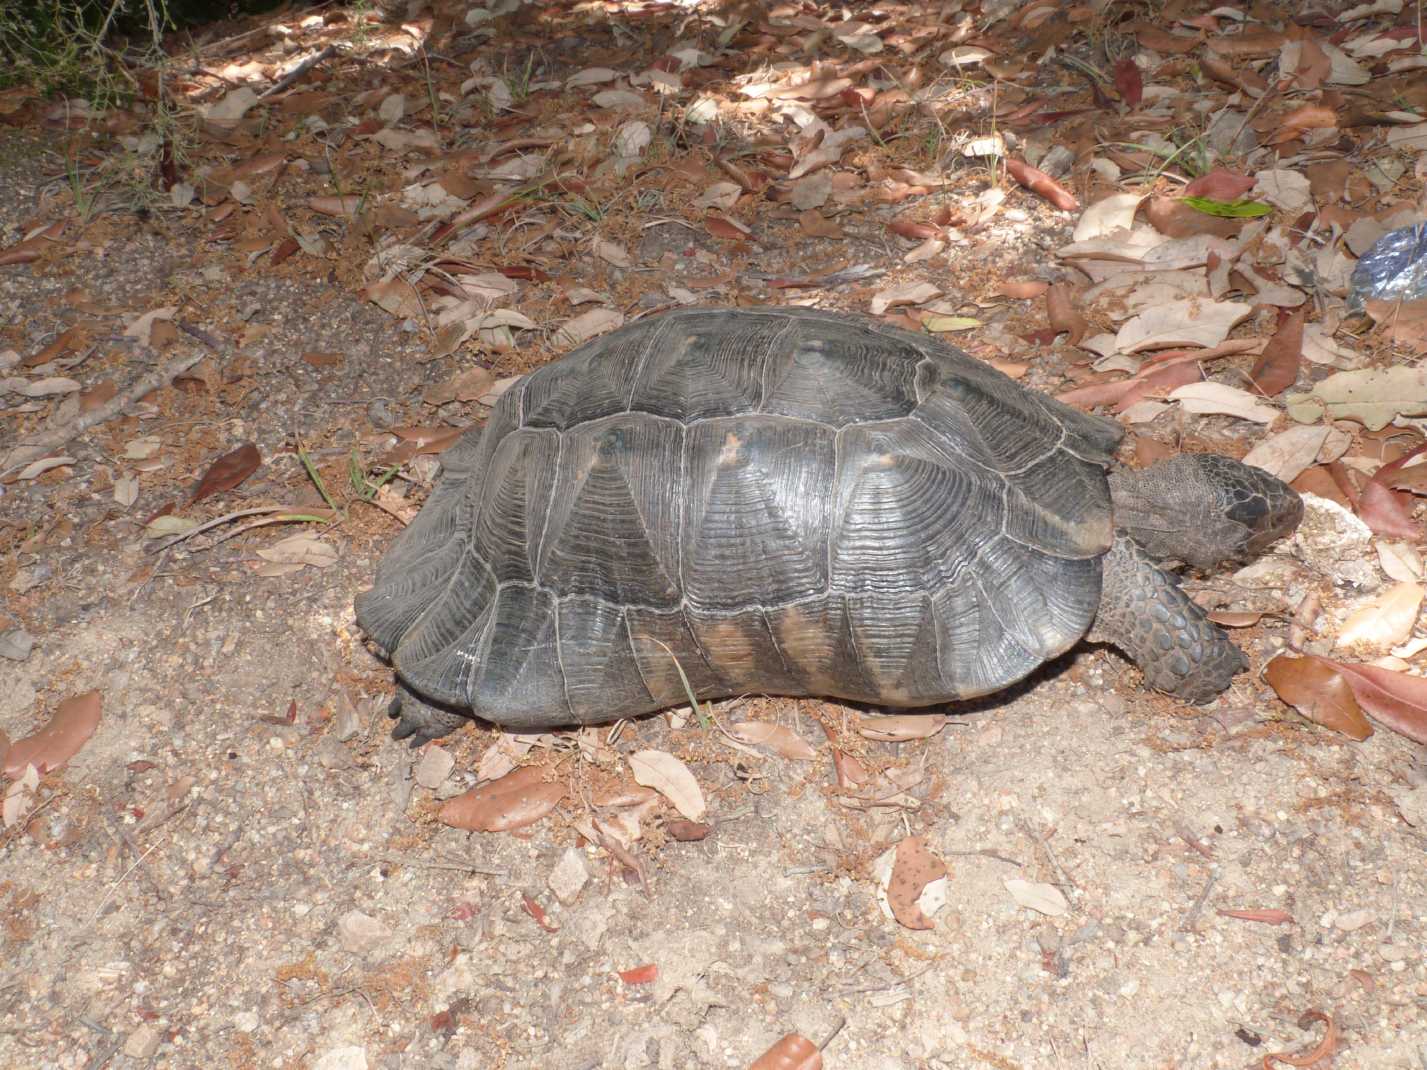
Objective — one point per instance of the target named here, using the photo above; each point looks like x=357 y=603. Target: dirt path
x=240 y=869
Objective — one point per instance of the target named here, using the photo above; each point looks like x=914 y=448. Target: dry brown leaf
x=1277 y=367
x=914 y=868
x=74 y=721
x=228 y=472
x=1267 y=916
x=515 y=800
x=1219 y=185
x=782 y=741
x=1397 y=700
x=1320 y=1052
x=1314 y=687
x=1063 y=315
x=1022 y=289
x=671 y=778
x=1385 y=620
x=898 y=728
x=791 y=1052
x=1042 y=184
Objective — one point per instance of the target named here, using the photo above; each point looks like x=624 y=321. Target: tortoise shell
x=776 y=501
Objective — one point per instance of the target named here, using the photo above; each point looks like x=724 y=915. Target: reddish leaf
x=686 y=831
x=536 y=911
x=1219 y=185
x=517 y=799
x=1382 y=509
x=1042 y=184
x=912 y=229
x=1063 y=315
x=1268 y=916
x=1022 y=289
x=1175 y=219
x=640 y=975
x=1324 y=1049
x=57 y=742
x=1157 y=40
x=1129 y=82
x=1314 y=687
x=1305 y=117
x=1277 y=367
x=792 y=1052
x=1395 y=699
x=915 y=867
x=228 y=471
x=727 y=229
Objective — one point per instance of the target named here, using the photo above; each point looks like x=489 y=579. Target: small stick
x=297 y=72
x=40 y=444
x=1189 y=919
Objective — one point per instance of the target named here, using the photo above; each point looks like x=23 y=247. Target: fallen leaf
x=777 y=738
x=304 y=548
x=908 y=293
x=1129 y=82
x=1107 y=216
x=228 y=472
x=588 y=325
x=898 y=728
x=792 y=1051
x=1385 y=620
x=671 y=778
x=517 y=799
x=1217 y=398
x=1314 y=687
x=1042 y=184
x=1288 y=453
x=640 y=975
x=1373 y=397
x=1063 y=315
x=1268 y=916
x=912 y=870
x=1042 y=898
x=1189 y=322
x=1320 y=1052
x=1277 y=367
x=1397 y=700
x=68 y=730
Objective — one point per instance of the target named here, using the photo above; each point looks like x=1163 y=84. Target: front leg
x=1143 y=612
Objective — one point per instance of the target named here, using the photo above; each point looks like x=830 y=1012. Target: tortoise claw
x=418 y=720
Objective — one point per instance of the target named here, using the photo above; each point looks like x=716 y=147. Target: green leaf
x=1229 y=209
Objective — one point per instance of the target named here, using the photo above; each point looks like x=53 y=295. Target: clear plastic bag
x=1394 y=269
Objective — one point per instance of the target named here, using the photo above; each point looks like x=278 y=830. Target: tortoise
x=794 y=502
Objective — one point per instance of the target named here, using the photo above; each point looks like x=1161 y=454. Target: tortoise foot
x=418 y=720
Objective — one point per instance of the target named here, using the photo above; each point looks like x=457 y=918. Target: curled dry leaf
x=640 y=975
x=1041 y=184
x=1385 y=620
x=1324 y=1049
x=671 y=778
x=1022 y=289
x=60 y=740
x=228 y=471
x=687 y=831
x=1314 y=687
x=515 y=800
x=588 y=325
x=1063 y=315
x=782 y=741
x=912 y=870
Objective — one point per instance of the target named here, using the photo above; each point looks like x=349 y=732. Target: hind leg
x=418 y=720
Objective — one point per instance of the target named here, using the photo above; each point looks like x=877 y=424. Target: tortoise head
x=1204 y=509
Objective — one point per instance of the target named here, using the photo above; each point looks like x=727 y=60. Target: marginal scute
x=741 y=501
